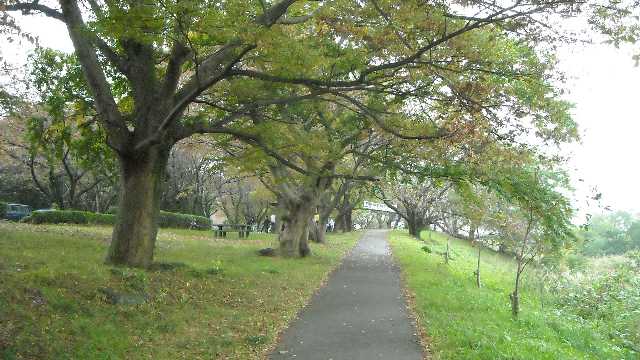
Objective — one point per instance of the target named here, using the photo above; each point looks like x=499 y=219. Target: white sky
x=603 y=84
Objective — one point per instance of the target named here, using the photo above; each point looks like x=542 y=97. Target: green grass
x=464 y=322
x=220 y=300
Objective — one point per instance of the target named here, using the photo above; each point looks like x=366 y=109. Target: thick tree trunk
x=277 y=226
x=295 y=232
x=312 y=231
x=303 y=247
x=348 y=220
x=344 y=221
x=340 y=223
x=412 y=227
x=141 y=180
x=322 y=228
x=317 y=230
x=415 y=226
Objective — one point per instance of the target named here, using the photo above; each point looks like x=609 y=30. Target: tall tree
x=415 y=201
x=57 y=135
x=316 y=145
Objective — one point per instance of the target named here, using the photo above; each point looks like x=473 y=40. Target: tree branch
x=27 y=7
x=210 y=71
x=274 y=13
x=94 y=74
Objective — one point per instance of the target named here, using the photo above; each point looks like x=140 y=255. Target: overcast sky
x=603 y=84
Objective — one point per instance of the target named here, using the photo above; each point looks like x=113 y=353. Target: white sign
x=376 y=206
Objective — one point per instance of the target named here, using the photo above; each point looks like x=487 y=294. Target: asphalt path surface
x=360 y=314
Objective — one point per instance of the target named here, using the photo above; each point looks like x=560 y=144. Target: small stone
x=115 y=298
x=267 y=252
x=37 y=297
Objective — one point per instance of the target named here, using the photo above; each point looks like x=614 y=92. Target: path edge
x=323 y=283
x=410 y=302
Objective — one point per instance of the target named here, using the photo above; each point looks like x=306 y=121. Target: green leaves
x=70 y=123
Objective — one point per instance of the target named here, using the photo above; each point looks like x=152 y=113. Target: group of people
x=269 y=224
x=331 y=225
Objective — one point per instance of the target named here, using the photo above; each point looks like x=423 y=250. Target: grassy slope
x=464 y=322
x=50 y=305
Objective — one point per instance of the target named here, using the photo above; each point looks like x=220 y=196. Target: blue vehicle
x=17 y=211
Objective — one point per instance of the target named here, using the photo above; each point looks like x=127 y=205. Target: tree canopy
x=426 y=75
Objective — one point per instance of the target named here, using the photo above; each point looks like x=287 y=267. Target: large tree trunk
x=141 y=180
x=415 y=225
x=295 y=232
x=303 y=247
x=411 y=224
x=348 y=220
x=344 y=220
x=317 y=230
x=322 y=228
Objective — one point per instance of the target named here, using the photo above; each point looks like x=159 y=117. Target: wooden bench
x=221 y=230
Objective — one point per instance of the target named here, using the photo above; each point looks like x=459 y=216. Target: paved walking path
x=359 y=314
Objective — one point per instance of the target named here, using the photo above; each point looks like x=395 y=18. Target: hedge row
x=3 y=209
x=69 y=217
x=167 y=219
x=177 y=220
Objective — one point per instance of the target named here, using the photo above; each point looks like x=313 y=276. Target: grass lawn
x=218 y=299
x=464 y=322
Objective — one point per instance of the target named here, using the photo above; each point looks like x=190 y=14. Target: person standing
x=272 y=219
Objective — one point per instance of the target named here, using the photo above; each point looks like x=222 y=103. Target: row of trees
x=611 y=234
x=310 y=98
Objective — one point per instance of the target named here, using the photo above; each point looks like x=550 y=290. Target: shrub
x=576 y=262
x=610 y=297
x=177 y=220
x=56 y=217
x=100 y=219
x=3 y=209
x=167 y=219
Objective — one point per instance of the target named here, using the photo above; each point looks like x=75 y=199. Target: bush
x=610 y=297
x=100 y=219
x=3 y=209
x=56 y=217
x=177 y=220
x=576 y=262
x=167 y=219
x=69 y=217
